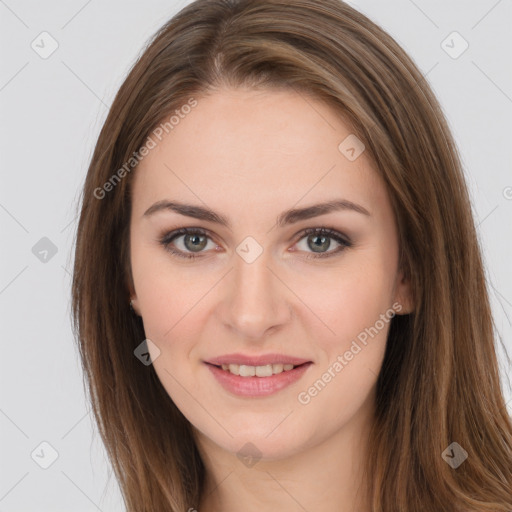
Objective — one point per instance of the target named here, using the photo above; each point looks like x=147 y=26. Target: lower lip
x=257 y=386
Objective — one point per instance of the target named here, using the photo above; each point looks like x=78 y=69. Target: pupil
x=324 y=244
x=197 y=243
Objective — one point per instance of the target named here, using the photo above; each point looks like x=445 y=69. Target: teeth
x=277 y=368
x=258 y=371
x=245 y=371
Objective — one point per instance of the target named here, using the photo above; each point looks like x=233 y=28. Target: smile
x=257 y=381
x=257 y=371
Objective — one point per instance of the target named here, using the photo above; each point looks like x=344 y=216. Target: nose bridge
x=255 y=299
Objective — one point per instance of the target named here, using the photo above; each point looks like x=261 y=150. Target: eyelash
x=344 y=242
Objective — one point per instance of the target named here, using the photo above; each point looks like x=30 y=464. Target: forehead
x=267 y=146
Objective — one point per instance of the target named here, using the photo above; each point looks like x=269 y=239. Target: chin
x=258 y=444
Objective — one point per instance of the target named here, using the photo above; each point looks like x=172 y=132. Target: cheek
x=167 y=293
x=350 y=298
x=356 y=307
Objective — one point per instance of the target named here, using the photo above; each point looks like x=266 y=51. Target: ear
x=133 y=300
x=403 y=297
x=134 y=303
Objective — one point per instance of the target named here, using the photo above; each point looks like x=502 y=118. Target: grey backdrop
x=52 y=108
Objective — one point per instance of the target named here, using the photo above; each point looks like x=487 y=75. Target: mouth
x=243 y=370
x=258 y=380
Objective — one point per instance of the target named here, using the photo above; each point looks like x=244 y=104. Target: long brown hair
x=439 y=382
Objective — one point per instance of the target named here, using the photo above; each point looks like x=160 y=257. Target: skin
x=249 y=155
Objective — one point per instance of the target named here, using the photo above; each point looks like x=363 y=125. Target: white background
x=51 y=113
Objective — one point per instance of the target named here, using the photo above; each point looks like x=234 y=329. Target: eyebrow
x=291 y=216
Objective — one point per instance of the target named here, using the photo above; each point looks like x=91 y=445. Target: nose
x=254 y=300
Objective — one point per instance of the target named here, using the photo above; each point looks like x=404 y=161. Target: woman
x=285 y=305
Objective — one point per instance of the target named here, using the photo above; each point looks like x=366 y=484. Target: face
x=260 y=279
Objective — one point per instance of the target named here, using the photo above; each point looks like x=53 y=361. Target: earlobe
x=133 y=306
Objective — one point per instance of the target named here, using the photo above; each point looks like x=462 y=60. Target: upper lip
x=261 y=360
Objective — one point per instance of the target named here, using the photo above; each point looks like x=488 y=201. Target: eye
x=193 y=240
x=190 y=242
x=319 y=240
